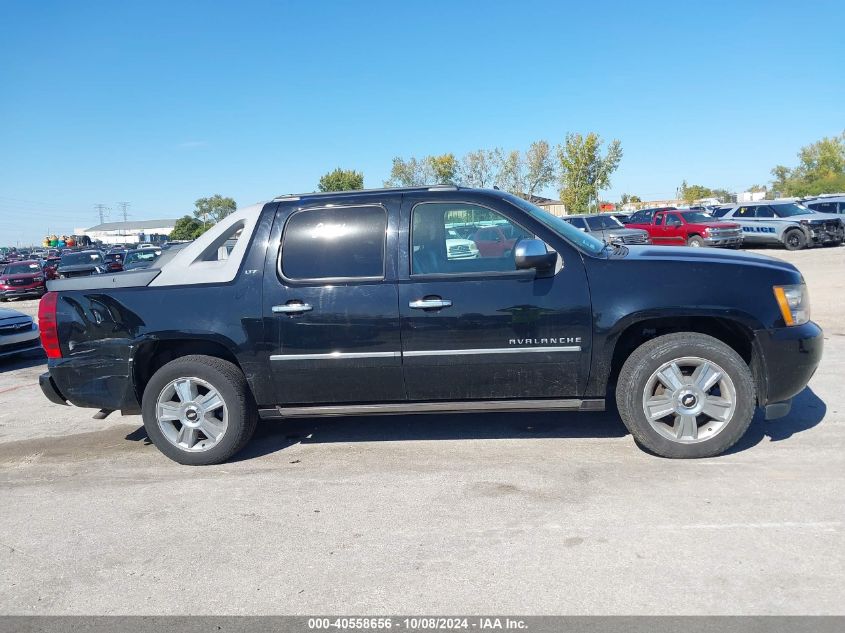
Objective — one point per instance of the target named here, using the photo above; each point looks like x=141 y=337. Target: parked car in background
x=456 y=246
x=140 y=258
x=81 y=264
x=50 y=267
x=607 y=228
x=497 y=240
x=114 y=261
x=826 y=204
x=644 y=216
x=624 y=217
x=675 y=227
x=18 y=333
x=22 y=279
x=788 y=223
x=144 y=246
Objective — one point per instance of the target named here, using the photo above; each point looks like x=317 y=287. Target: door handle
x=427 y=304
x=293 y=308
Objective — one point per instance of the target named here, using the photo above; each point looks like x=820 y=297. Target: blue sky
x=159 y=103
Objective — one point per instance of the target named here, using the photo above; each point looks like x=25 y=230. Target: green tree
x=480 y=168
x=341 y=180
x=635 y=199
x=539 y=168
x=820 y=169
x=511 y=176
x=443 y=168
x=583 y=170
x=212 y=210
x=185 y=228
x=691 y=193
x=406 y=173
x=723 y=195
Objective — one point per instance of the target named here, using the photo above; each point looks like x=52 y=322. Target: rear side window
x=823 y=207
x=658 y=221
x=333 y=243
x=765 y=212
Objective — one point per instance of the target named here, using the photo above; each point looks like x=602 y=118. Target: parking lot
x=548 y=513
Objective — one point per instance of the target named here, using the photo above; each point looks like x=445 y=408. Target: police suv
x=784 y=222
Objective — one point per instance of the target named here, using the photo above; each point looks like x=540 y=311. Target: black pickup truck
x=403 y=301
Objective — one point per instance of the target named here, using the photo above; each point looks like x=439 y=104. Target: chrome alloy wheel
x=689 y=400
x=191 y=414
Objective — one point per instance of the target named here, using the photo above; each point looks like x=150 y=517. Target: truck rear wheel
x=794 y=240
x=685 y=395
x=198 y=410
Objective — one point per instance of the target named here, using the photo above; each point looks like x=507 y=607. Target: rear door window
x=765 y=212
x=334 y=243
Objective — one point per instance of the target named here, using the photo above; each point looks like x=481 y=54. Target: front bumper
x=20 y=342
x=826 y=234
x=12 y=293
x=789 y=357
x=720 y=242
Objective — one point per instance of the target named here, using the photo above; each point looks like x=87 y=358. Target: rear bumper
x=789 y=357
x=93 y=382
x=50 y=390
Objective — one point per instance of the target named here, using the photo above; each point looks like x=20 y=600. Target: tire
x=637 y=385
x=794 y=240
x=695 y=241
x=235 y=420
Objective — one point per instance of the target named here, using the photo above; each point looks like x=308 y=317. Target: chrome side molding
x=461 y=406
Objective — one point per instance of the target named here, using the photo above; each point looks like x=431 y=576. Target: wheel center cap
x=689 y=400
x=191 y=415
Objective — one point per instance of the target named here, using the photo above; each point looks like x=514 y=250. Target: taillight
x=47 y=325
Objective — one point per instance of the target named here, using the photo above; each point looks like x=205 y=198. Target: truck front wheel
x=695 y=241
x=198 y=410
x=685 y=395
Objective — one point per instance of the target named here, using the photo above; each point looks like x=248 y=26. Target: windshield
x=141 y=256
x=21 y=269
x=791 y=209
x=697 y=216
x=76 y=259
x=581 y=239
x=601 y=222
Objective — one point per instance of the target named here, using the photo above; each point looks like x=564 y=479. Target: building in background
x=750 y=196
x=133 y=232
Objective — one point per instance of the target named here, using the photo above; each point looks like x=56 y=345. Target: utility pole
x=123 y=207
x=102 y=210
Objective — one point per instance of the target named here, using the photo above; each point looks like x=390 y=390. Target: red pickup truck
x=676 y=227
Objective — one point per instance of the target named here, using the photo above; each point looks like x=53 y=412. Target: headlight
x=794 y=303
x=36 y=279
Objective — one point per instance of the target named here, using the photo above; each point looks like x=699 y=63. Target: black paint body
x=109 y=336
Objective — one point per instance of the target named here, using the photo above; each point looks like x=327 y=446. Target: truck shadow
x=271 y=436
x=808 y=410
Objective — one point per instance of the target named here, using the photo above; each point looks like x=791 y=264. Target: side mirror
x=531 y=253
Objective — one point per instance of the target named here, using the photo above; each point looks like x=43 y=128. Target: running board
x=395 y=408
